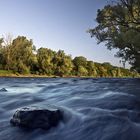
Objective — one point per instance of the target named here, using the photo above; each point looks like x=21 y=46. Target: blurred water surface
x=94 y=109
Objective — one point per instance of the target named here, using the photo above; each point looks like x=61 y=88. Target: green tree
x=21 y=55
x=80 y=64
x=108 y=68
x=5 y=44
x=91 y=68
x=1 y=54
x=82 y=71
x=119 y=27
x=63 y=65
x=45 y=57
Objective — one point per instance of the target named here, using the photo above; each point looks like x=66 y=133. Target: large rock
x=34 y=117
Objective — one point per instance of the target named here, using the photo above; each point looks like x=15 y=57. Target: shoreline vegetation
x=20 y=58
x=7 y=74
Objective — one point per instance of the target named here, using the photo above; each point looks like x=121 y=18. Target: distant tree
x=97 y=67
x=108 y=68
x=114 y=73
x=80 y=64
x=82 y=71
x=80 y=60
x=21 y=55
x=45 y=57
x=1 y=54
x=62 y=64
x=119 y=74
x=5 y=45
x=91 y=68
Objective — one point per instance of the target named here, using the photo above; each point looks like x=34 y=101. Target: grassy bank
x=6 y=73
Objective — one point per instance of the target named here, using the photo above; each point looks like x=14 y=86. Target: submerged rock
x=3 y=89
x=33 y=117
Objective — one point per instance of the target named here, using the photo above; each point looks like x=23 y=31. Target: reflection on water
x=94 y=109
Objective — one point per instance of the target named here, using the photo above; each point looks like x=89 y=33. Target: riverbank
x=27 y=75
x=53 y=76
x=5 y=73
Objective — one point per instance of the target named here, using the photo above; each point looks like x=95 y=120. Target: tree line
x=20 y=56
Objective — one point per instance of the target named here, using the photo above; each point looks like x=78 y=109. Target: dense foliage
x=20 y=56
x=118 y=25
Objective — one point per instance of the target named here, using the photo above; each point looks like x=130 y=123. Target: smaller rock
x=3 y=90
x=34 y=117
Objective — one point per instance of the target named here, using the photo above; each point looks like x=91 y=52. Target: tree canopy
x=118 y=25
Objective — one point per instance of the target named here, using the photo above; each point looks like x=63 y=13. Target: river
x=94 y=108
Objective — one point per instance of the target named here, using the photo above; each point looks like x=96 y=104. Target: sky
x=57 y=24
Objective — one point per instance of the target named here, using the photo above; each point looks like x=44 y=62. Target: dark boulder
x=33 y=117
x=3 y=90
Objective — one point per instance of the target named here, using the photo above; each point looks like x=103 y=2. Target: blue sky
x=56 y=24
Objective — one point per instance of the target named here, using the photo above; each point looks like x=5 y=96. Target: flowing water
x=94 y=109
